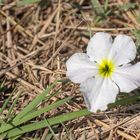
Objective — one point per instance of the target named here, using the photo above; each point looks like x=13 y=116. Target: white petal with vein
x=123 y=50
x=99 y=46
x=127 y=77
x=80 y=68
x=98 y=93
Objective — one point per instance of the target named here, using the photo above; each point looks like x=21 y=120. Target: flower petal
x=127 y=77
x=98 y=93
x=80 y=68
x=99 y=46
x=123 y=50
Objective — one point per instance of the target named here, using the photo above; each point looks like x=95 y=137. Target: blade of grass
x=26 y=2
x=64 y=81
x=1 y=2
x=136 y=33
x=48 y=108
x=34 y=103
x=96 y=6
x=125 y=101
x=127 y=6
x=16 y=137
x=32 y=115
x=2 y=122
x=52 y=95
x=106 y=5
x=51 y=130
x=1 y=87
x=42 y=124
x=48 y=137
x=43 y=110
x=12 y=106
x=6 y=103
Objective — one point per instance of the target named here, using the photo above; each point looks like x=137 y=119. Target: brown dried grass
x=35 y=43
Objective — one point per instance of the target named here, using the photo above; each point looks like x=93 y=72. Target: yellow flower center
x=106 y=68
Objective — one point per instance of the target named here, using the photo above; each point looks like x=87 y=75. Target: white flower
x=105 y=69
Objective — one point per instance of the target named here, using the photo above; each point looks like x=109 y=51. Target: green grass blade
x=2 y=122
x=1 y=2
x=48 y=136
x=12 y=106
x=32 y=105
x=125 y=101
x=96 y=6
x=42 y=124
x=5 y=103
x=51 y=130
x=43 y=110
x=106 y=5
x=52 y=95
x=136 y=33
x=64 y=81
x=127 y=6
x=26 y=2
x=32 y=115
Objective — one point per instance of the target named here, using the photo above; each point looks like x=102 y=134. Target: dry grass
x=36 y=41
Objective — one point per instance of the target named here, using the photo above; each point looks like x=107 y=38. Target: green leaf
x=127 y=6
x=12 y=106
x=43 y=110
x=1 y=2
x=51 y=130
x=125 y=101
x=52 y=121
x=106 y=5
x=136 y=33
x=32 y=115
x=5 y=103
x=26 y=2
x=32 y=105
x=96 y=6
x=64 y=81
